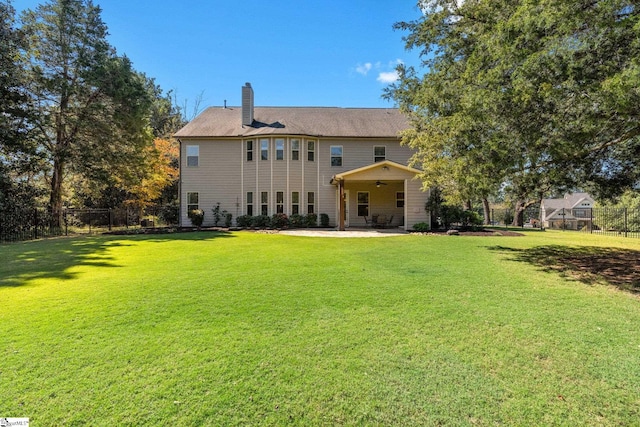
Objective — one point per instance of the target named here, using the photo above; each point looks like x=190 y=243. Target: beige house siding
x=217 y=161
x=224 y=176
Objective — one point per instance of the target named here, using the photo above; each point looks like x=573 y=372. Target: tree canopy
x=526 y=95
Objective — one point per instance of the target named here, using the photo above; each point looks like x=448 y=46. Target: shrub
x=170 y=214
x=227 y=219
x=217 y=215
x=279 y=220
x=296 y=220
x=421 y=227
x=311 y=220
x=324 y=220
x=471 y=219
x=244 y=221
x=260 y=221
x=196 y=216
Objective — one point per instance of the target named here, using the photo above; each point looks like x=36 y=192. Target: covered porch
x=380 y=195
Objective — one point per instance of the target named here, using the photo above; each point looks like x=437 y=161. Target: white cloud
x=388 y=77
x=364 y=68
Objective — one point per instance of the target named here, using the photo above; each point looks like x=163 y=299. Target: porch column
x=341 y=205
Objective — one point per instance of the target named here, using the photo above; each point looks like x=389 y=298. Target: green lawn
x=252 y=329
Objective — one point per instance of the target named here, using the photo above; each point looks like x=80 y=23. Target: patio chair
x=367 y=222
x=381 y=221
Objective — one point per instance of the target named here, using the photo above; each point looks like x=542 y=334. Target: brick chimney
x=247 y=105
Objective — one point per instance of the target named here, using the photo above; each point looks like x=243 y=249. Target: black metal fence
x=611 y=221
x=39 y=223
x=28 y=224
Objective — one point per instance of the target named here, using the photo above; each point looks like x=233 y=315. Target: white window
x=279 y=201
x=264 y=149
x=250 y=203
x=249 y=151
x=264 y=203
x=311 y=151
x=336 y=155
x=295 y=149
x=379 y=153
x=295 y=203
x=363 y=203
x=311 y=202
x=279 y=149
x=192 y=201
x=193 y=155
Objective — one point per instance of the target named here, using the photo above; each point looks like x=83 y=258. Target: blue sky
x=295 y=53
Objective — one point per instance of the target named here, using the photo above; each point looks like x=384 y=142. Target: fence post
x=110 y=218
x=590 y=220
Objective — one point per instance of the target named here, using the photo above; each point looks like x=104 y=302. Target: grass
x=250 y=329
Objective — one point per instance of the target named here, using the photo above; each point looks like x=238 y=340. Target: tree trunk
x=486 y=210
x=55 y=198
x=518 y=217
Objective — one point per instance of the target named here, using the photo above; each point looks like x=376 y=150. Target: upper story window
x=249 y=151
x=295 y=149
x=336 y=155
x=311 y=151
x=379 y=153
x=193 y=155
x=264 y=149
x=279 y=149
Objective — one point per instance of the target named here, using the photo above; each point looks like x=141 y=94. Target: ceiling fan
x=379 y=183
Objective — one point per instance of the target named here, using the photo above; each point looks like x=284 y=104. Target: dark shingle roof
x=312 y=121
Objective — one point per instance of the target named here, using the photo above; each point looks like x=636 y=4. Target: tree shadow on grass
x=21 y=263
x=589 y=265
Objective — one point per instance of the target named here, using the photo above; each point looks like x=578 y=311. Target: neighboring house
x=300 y=160
x=573 y=212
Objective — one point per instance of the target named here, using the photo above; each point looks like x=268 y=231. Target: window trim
x=264 y=149
x=399 y=200
x=192 y=156
x=379 y=158
x=332 y=156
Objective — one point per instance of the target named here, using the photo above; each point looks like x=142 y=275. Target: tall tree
x=534 y=94
x=19 y=159
x=93 y=107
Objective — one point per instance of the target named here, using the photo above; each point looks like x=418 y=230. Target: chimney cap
x=247 y=84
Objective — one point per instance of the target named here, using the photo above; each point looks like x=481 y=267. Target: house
x=573 y=212
x=300 y=160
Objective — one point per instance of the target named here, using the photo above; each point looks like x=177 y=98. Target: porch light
x=385 y=168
